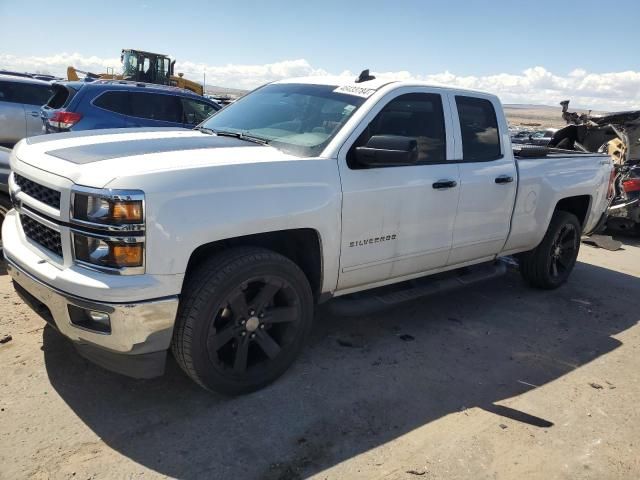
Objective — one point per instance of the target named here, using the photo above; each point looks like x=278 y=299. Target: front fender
x=193 y=207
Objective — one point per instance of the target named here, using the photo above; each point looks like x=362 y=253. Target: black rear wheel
x=243 y=320
x=549 y=264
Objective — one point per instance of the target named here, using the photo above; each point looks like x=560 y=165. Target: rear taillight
x=632 y=185
x=64 y=120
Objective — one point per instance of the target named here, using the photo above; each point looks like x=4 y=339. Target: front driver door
x=398 y=221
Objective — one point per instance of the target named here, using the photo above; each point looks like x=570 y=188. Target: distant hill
x=224 y=91
x=527 y=106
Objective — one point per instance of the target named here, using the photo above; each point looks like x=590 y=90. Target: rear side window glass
x=479 y=127
x=5 y=91
x=117 y=102
x=60 y=97
x=166 y=108
x=196 y=112
x=18 y=92
x=415 y=116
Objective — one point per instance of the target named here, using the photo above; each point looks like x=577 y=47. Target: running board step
x=363 y=303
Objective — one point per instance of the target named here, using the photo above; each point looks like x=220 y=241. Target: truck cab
x=216 y=242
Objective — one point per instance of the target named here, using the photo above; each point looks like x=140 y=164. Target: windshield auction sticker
x=353 y=90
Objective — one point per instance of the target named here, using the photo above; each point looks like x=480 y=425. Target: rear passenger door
x=397 y=220
x=154 y=110
x=487 y=178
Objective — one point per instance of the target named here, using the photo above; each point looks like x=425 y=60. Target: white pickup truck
x=216 y=242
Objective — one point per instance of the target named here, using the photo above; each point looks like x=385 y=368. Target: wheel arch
x=578 y=205
x=303 y=246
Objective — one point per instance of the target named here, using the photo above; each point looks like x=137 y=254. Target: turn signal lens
x=127 y=212
x=107 y=253
x=106 y=210
x=127 y=255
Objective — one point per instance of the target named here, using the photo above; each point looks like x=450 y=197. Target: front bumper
x=140 y=332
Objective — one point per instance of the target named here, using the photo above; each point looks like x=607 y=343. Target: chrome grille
x=44 y=194
x=41 y=234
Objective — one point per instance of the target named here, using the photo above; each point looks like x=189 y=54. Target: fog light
x=90 y=319
x=100 y=317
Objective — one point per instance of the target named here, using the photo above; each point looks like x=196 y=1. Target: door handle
x=34 y=114
x=504 y=179
x=444 y=184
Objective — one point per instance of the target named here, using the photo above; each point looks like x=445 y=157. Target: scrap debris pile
x=617 y=134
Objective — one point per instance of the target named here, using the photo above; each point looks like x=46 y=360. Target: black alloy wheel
x=257 y=322
x=549 y=264
x=243 y=318
x=563 y=251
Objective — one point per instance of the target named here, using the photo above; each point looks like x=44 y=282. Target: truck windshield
x=299 y=119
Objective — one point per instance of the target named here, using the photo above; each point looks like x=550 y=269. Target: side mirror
x=388 y=151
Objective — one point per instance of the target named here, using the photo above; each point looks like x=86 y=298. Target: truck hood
x=95 y=158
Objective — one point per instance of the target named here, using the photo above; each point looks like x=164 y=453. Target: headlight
x=109 y=207
x=105 y=252
x=108 y=229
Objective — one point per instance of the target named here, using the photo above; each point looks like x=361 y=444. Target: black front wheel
x=244 y=316
x=549 y=264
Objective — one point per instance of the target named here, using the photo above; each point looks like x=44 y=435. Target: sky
x=526 y=52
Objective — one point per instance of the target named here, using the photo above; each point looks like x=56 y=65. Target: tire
x=220 y=341
x=549 y=264
x=5 y=206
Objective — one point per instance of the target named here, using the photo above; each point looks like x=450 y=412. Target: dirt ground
x=496 y=381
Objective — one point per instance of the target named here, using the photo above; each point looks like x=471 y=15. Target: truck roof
x=375 y=84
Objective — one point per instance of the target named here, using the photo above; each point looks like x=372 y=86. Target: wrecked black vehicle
x=617 y=134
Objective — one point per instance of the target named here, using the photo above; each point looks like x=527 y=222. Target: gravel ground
x=494 y=381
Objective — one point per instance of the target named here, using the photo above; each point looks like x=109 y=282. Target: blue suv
x=122 y=104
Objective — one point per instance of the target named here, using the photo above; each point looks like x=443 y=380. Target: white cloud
x=535 y=85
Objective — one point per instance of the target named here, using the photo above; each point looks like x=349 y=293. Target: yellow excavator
x=141 y=66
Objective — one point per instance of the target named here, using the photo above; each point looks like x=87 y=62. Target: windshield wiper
x=242 y=136
x=206 y=130
x=227 y=133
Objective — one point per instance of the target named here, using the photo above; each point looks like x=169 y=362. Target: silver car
x=5 y=203
x=20 y=102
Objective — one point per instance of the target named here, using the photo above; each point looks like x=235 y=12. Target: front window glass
x=296 y=118
x=413 y=116
x=20 y=92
